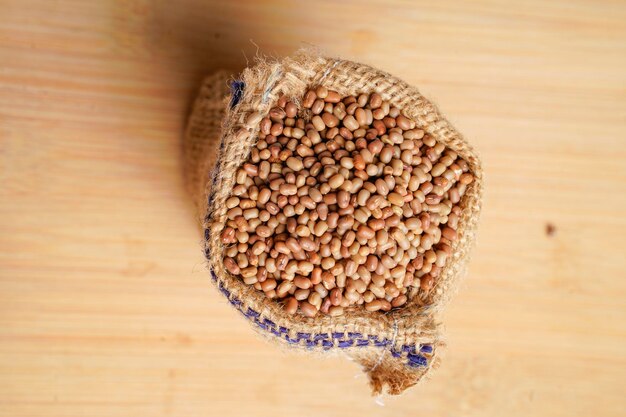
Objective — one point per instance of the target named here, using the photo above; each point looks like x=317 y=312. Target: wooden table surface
x=105 y=306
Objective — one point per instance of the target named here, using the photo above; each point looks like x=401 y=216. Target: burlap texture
x=386 y=345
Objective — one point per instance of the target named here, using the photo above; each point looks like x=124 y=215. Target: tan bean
x=293 y=245
x=263 y=231
x=291 y=110
x=362 y=197
x=228 y=235
x=381 y=187
x=309 y=99
x=449 y=233
x=318 y=106
x=403 y=123
x=351 y=123
x=376 y=224
x=332 y=97
x=343 y=199
x=466 y=178
x=375 y=101
x=259 y=247
x=364 y=232
x=336 y=181
x=302 y=282
x=321 y=92
x=248 y=272
x=307 y=244
x=318 y=123
x=283 y=288
x=305 y=267
x=315 y=299
x=232 y=266
x=374 y=305
x=294 y=164
x=426 y=282
x=291 y=306
x=268 y=285
x=438 y=169
x=320 y=228
x=395 y=199
x=308 y=309
x=336 y=296
x=330 y=120
x=288 y=189
x=399 y=301
x=347 y=162
x=395 y=137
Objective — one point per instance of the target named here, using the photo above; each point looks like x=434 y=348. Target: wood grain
x=105 y=308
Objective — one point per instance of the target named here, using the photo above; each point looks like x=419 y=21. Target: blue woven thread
x=236 y=92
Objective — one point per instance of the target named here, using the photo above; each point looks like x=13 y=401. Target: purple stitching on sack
x=252 y=313
x=302 y=336
x=236 y=90
x=381 y=343
x=417 y=360
x=346 y=343
x=320 y=336
x=275 y=332
x=362 y=342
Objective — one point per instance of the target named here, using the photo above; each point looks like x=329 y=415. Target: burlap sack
x=395 y=349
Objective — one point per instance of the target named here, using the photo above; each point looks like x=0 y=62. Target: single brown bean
x=374 y=305
x=332 y=97
x=449 y=233
x=291 y=110
x=364 y=232
x=351 y=123
x=403 y=122
x=318 y=123
x=288 y=189
x=302 y=282
x=232 y=266
x=466 y=178
x=330 y=120
x=336 y=181
x=375 y=101
x=291 y=306
x=308 y=309
x=381 y=187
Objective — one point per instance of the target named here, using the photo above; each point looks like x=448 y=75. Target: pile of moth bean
x=343 y=203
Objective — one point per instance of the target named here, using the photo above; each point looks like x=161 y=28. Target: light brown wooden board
x=105 y=306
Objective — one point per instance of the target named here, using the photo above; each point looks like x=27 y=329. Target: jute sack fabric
x=395 y=349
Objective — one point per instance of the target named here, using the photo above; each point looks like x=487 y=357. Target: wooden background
x=105 y=307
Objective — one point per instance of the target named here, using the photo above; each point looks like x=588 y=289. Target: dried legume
x=343 y=204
